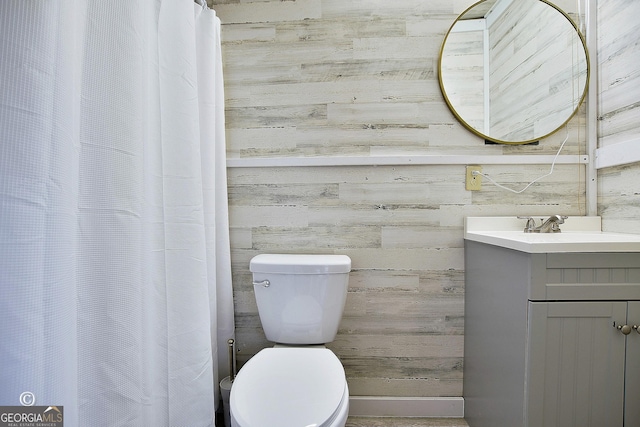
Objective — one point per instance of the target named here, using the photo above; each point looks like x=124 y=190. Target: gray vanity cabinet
x=541 y=348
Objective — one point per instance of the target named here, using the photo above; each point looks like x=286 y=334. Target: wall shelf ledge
x=397 y=160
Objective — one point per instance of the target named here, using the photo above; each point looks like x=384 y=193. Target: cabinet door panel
x=632 y=383
x=576 y=364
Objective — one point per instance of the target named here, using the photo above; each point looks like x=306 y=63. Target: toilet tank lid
x=300 y=264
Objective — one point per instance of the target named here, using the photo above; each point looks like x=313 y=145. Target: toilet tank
x=300 y=297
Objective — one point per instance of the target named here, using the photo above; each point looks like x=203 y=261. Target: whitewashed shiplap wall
x=619 y=111
x=333 y=78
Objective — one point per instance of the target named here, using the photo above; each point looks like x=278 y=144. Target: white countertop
x=579 y=234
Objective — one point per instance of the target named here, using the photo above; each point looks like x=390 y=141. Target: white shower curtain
x=115 y=281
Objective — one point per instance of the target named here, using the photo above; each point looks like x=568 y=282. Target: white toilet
x=298 y=382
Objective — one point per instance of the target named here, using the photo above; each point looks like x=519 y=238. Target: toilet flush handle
x=263 y=283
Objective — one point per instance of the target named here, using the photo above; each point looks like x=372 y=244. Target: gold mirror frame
x=534 y=137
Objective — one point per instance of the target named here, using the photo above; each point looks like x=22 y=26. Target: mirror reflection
x=513 y=71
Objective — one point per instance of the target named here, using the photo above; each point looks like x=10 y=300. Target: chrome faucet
x=551 y=225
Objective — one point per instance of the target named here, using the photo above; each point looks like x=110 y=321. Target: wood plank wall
x=619 y=111
x=358 y=77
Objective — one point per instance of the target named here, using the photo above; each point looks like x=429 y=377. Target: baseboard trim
x=428 y=407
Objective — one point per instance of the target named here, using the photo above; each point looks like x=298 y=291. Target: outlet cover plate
x=473 y=182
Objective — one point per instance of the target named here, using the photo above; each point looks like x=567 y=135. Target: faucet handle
x=531 y=224
x=559 y=218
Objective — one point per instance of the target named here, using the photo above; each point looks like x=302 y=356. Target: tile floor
x=405 y=422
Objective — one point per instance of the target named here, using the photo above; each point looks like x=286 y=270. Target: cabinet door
x=575 y=375
x=632 y=377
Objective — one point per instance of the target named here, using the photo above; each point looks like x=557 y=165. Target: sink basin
x=579 y=234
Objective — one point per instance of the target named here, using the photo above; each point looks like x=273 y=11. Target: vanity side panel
x=496 y=287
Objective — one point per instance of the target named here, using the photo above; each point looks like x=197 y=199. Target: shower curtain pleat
x=212 y=126
x=115 y=282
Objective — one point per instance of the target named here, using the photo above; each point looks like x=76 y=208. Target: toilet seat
x=290 y=387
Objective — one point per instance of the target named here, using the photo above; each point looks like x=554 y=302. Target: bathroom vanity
x=551 y=325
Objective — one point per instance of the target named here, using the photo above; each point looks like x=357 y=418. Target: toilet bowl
x=298 y=382
x=290 y=387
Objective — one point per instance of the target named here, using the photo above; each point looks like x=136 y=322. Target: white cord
x=535 y=180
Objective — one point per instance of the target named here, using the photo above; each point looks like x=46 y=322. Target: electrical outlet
x=473 y=182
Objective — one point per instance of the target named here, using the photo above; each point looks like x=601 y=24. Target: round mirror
x=513 y=71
